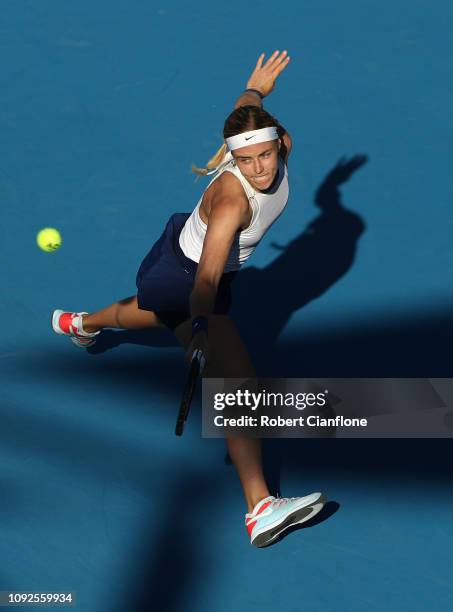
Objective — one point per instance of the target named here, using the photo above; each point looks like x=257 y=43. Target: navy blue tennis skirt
x=166 y=277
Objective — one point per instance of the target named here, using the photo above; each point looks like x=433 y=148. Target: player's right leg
x=83 y=327
x=267 y=516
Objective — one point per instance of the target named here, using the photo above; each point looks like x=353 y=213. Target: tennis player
x=184 y=281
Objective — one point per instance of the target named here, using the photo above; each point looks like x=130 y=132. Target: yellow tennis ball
x=49 y=239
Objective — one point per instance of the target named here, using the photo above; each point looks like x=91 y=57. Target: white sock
x=80 y=330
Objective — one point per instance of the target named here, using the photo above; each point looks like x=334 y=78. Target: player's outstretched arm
x=263 y=78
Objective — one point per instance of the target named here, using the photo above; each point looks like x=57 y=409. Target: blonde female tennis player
x=184 y=281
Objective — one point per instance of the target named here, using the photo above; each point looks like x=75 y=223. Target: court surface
x=104 y=108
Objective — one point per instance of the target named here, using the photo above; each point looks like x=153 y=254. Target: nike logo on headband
x=250 y=137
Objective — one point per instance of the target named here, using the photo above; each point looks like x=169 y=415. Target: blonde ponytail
x=215 y=161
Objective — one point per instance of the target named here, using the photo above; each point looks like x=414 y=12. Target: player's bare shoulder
x=227 y=184
x=226 y=190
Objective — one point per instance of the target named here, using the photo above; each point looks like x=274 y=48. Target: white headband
x=252 y=137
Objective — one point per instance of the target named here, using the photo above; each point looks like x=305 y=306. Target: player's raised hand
x=264 y=76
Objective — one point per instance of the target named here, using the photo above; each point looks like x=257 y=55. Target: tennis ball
x=49 y=239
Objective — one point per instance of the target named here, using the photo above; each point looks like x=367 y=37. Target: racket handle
x=198 y=354
x=197 y=364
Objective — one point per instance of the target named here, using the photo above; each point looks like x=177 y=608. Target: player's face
x=258 y=163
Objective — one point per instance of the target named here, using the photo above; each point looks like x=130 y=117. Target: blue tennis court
x=104 y=108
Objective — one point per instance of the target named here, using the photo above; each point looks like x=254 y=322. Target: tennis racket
x=196 y=368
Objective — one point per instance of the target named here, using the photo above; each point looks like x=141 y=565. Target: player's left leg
x=83 y=328
x=124 y=314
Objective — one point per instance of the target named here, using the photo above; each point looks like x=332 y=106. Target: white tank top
x=266 y=208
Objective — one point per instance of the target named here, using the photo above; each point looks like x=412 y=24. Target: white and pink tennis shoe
x=272 y=515
x=70 y=324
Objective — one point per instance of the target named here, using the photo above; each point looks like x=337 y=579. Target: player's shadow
x=264 y=299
